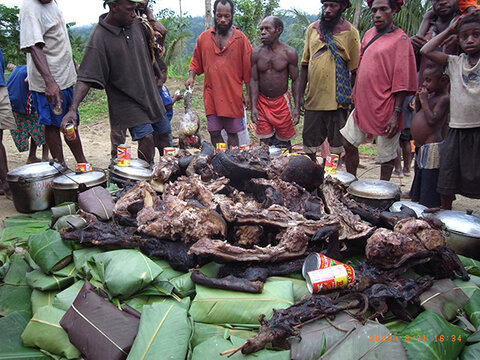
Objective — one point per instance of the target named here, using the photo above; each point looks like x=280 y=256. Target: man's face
x=123 y=12
x=331 y=13
x=382 y=14
x=223 y=18
x=268 y=33
x=444 y=7
x=45 y=1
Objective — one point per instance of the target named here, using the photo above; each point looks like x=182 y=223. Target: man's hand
x=418 y=42
x=393 y=125
x=295 y=116
x=53 y=93
x=254 y=115
x=301 y=106
x=248 y=103
x=189 y=83
x=70 y=117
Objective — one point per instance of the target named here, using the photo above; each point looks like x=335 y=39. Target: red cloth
x=274 y=117
x=463 y=5
x=387 y=67
x=225 y=72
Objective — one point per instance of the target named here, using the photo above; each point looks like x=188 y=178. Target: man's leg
x=32 y=153
x=76 y=148
x=44 y=152
x=162 y=141
x=216 y=137
x=447 y=201
x=351 y=158
x=54 y=143
x=386 y=170
x=146 y=148
x=117 y=137
x=3 y=169
x=407 y=156
x=232 y=140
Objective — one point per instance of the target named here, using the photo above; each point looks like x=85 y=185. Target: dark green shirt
x=118 y=60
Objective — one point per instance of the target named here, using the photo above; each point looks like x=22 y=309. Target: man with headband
x=386 y=74
x=118 y=59
x=330 y=56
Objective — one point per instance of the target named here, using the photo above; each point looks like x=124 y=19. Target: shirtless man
x=273 y=63
x=428 y=129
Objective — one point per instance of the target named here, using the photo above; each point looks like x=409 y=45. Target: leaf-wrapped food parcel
x=64 y=299
x=38 y=280
x=49 y=251
x=41 y=298
x=472 y=308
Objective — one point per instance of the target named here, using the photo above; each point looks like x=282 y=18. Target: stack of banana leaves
x=41 y=276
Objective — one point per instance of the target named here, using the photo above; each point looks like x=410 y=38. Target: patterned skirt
x=27 y=127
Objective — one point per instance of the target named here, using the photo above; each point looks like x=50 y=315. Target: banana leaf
x=469 y=286
x=18 y=270
x=41 y=298
x=15 y=298
x=445 y=298
x=139 y=302
x=422 y=338
x=11 y=327
x=299 y=286
x=168 y=272
x=472 y=308
x=164 y=333
x=38 y=280
x=69 y=270
x=71 y=222
x=21 y=233
x=123 y=272
x=64 y=299
x=63 y=209
x=159 y=287
x=212 y=348
x=472 y=266
x=44 y=331
x=214 y=306
x=183 y=284
x=203 y=332
x=39 y=217
x=49 y=251
x=5 y=251
x=81 y=257
x=470 y=352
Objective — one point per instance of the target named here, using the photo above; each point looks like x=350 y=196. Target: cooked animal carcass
x=178 y=220
x=304 y=172
x=189 y=124
x=167 y=169
x=127 y=207
x=423 y=231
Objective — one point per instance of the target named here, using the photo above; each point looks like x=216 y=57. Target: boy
x=428 y=130
x=459 y=170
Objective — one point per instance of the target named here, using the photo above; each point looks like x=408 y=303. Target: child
x=459 y=170
x=428 y=130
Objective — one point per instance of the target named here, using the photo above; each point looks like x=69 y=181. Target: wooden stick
x=231 y=351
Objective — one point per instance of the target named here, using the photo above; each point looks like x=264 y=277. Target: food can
x=83 y=167
x=70 y=132
x=317 y=261
x=334 y=277
x=57 y=110
x=169 y=151
x=331 y=164
x=221 y=147
x=123 y=155
x=245 y=147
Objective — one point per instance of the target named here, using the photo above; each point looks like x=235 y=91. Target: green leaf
x=183 y=284
x=18 y=270
x=81 y=257
x=15 y=298
x=445 y=298
x=38 y=280
x=39 y=217
x=430 y=336
x=472 y=266
x=203 y=332
x=472 y=308
x=41 y=298
x=299 y=286
x=164 y=333
x=64 y=299
x=138 y=302
x=471 y=352
x=49 y=251
x=15 y=234
x=469 y=286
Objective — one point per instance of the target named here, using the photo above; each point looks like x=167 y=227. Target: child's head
x=468 y=30
x=434 y=78
x=163 y=69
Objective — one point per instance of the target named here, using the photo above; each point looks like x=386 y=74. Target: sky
x=87 y=11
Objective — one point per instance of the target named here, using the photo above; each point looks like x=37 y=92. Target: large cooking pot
x=121 y=175
x=462 y=231
x=67 y=187
x=345 y=177
x=417 y=208
x=378 y=194
x=31 y=186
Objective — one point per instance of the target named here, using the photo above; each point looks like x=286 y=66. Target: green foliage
x=93 y=107
x=77 y=42
x=10 y=35
x=249 y=14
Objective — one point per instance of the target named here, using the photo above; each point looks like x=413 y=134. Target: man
x=223 y=54
x=51 y=71
x=329 y=57
x=386 y=74
x=118 y=59
x=273 y=63
x=7 y=122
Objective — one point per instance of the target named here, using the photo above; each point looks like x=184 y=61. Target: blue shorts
x=217 y=123
x=161 y=127
x=46 y=116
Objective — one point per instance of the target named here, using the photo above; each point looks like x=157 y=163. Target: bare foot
x=397 y=174
x=33 y=160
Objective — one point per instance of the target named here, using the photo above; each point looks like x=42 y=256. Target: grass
x=94 y=107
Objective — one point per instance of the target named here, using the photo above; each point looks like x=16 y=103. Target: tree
x=10 y=35
x=249 y=14
x=208 y=14
x=177 y=27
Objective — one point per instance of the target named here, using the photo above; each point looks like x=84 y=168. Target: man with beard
x=386 y=74
x=222 y=53
x=329 y=58
x=273 y=63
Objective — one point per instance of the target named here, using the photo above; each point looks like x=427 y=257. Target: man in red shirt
x=222 y=53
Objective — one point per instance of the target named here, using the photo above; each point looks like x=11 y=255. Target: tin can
x=317 y=261
x=221 y=147
x=331 y=164
x=245 y=147
x=70 y=132
x=83 y=167
x=169 y=151
x=57 y=110
x=123 y=155
x=334 y=277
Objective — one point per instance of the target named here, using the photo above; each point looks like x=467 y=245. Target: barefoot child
x=428 y=131
x=459 y=170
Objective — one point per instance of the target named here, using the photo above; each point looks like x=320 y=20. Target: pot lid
x=343 y=176
x=73 y=180
x=418 y=208
x=35 y=171
x=465 y=223
x=132 y=172
x=374 y=189
x=138 y=163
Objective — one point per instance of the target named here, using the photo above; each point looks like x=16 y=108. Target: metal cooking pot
x=418 y=208
x=67 y=187
x=462 y=231
x=124 y=174
x=378 y=194
x=345 y=177
x=31 y=186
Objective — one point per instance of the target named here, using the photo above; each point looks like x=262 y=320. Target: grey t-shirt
x=118 y=60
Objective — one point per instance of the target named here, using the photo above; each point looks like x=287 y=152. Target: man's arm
x=394 y=122
x=52 y=90
x=191 y=79
x=253 y=85
x=302 y=85
x=293 y=74
x=429 y=49
x=81 y=90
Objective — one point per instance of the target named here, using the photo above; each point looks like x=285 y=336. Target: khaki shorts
x=7 y=121
x=387 y=148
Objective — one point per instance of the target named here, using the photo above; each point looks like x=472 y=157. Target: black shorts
x=424 y=187
x=319 y=125
x=406 y=135
x=460 y=163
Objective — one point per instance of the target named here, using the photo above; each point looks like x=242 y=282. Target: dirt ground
x=96 y=145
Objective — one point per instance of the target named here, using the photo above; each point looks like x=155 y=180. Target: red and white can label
x=221 y=147
x=83 y=167
x=70 y=132
x=334 y=277
x=331 y=164
x=124 y=155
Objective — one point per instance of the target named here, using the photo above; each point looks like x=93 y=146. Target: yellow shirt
x=321 y=89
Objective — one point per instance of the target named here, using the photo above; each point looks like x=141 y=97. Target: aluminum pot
x=345 y=177
x=462 y=231
x=31 y=186
x=67 y=187
x=378 y=194
x=418 y=208
x=121 y=175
